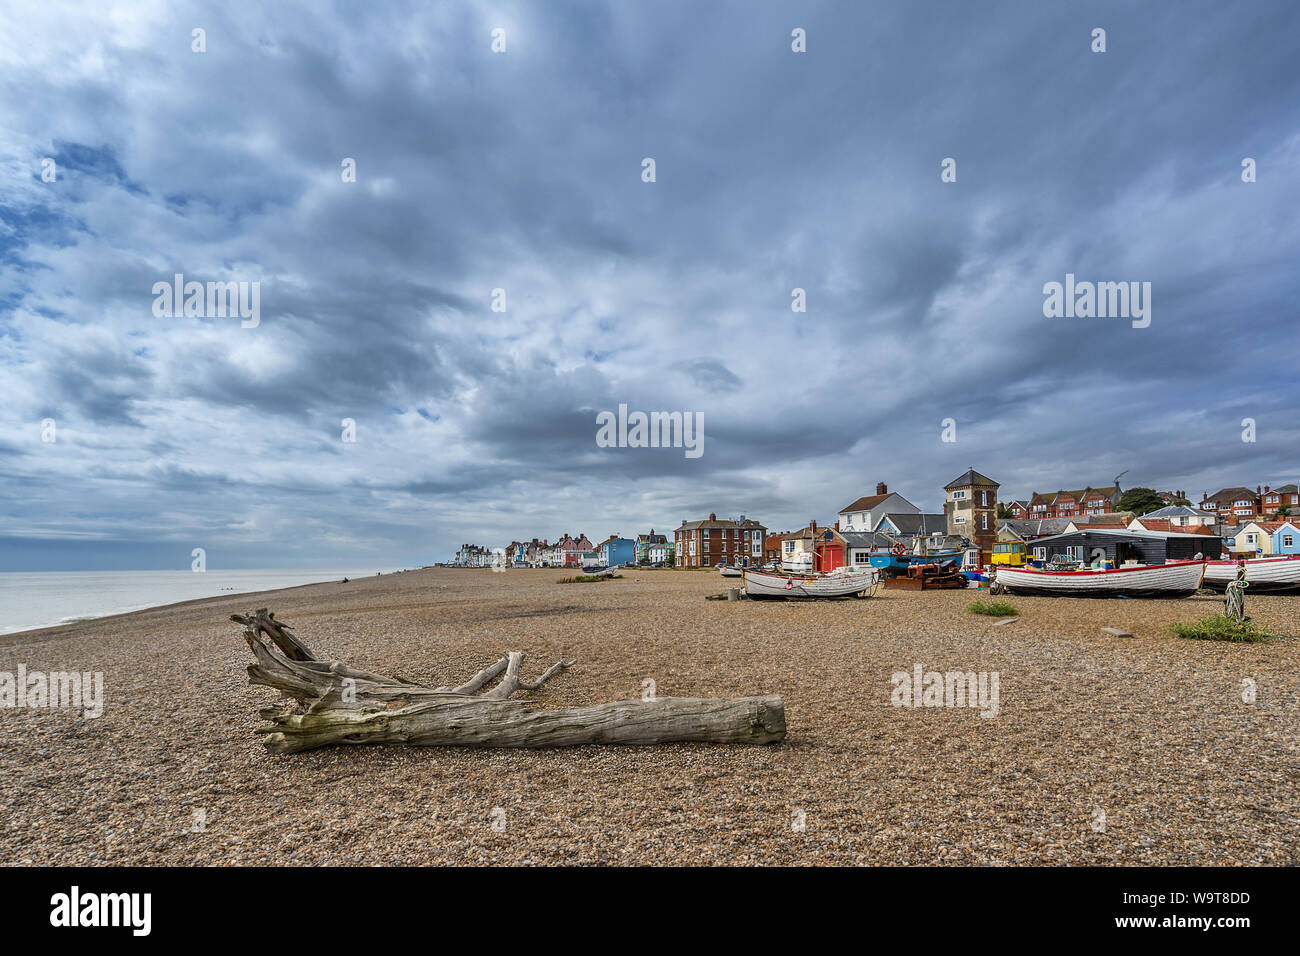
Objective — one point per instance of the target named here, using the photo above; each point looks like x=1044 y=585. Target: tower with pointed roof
x=971 y=510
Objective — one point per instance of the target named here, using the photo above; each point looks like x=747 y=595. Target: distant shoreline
x=15 y=596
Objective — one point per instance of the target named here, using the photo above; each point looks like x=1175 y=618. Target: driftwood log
x=339 y=704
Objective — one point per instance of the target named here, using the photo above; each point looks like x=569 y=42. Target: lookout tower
x=971 y=510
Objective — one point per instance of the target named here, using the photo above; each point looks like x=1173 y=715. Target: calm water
x=42 y=598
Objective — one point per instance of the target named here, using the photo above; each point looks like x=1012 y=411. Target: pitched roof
x=1051 y=497
x=1284 y=490
x=916 y=524
x=1230 y=493
x=865 y=504
x=970 y=477
x=1178 y=511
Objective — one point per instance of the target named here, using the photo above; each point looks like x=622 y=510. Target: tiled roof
x=918 y=523
x=865 y=504
x=1177 y=511
x=971 y=477
x=1229 y=494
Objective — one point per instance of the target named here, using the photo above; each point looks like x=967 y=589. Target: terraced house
x=702 y=544
x=1072 y=504
x=644 y=542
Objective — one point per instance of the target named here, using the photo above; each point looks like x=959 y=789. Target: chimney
x=813 y=525
x=712 y=516
x=1257 y=489
x=1266 y=489
x=882 y=488
x=837 y=526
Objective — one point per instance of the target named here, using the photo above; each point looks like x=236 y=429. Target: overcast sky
x=522 y=171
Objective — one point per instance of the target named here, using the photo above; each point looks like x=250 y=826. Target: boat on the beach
x=927 y=577
x=859 y=582
x=729 y=572
x=896 y=561
x=1262 y=574
x=1175 y=579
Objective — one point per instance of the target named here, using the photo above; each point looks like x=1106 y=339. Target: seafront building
x=704 y=543
x=1247 y=522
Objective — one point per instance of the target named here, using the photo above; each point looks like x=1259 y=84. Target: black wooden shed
x=1116 y=546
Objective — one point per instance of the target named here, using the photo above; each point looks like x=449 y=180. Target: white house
x=864 y=514
x=1184 y=516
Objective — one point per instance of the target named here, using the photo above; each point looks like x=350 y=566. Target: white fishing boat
x=1262 y=574
x=859 y=582
x=1155 y=580
x=729 y=572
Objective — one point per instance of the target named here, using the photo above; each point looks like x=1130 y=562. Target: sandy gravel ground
x=1151 y=731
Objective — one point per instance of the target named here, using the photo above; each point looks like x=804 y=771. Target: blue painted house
x=1286 y=539
x=615 y=550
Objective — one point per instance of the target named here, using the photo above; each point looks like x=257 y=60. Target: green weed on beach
x=1220 y=627
x=993 y=608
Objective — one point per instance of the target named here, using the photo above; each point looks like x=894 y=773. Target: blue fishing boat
x=893 y=563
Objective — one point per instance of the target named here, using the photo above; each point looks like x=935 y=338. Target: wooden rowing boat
x=860 y=583
x=1174 y=579
x=1262 y=574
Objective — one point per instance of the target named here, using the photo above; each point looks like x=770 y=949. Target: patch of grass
x=588 y=578
x=993 y=608
x=1220 y=627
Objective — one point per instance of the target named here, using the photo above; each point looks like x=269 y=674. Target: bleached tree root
x=338 y=704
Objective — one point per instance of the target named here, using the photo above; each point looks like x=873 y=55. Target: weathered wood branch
x=339 y=704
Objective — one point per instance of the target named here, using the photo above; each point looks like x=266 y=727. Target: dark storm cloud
x=522 y=172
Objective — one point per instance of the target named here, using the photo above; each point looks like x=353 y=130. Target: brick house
x=772 y=547
x=702 y=544
x=1285 y=496
x=1233 y=505
x=1073 y=504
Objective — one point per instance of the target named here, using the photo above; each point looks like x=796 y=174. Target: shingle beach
x=1105 y=749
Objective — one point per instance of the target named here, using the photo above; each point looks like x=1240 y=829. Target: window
x=984 y=498
x=1074 y=552
x=1286 y=540
x=958 y=495
x=958 y=520
x=1040 y=554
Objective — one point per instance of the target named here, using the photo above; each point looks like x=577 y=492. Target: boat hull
x=893 y=564
x=1157 y=580
x=730 y=572
x=762 y=584
x=1263 y=575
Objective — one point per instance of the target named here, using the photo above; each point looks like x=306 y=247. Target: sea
x=30 y=599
